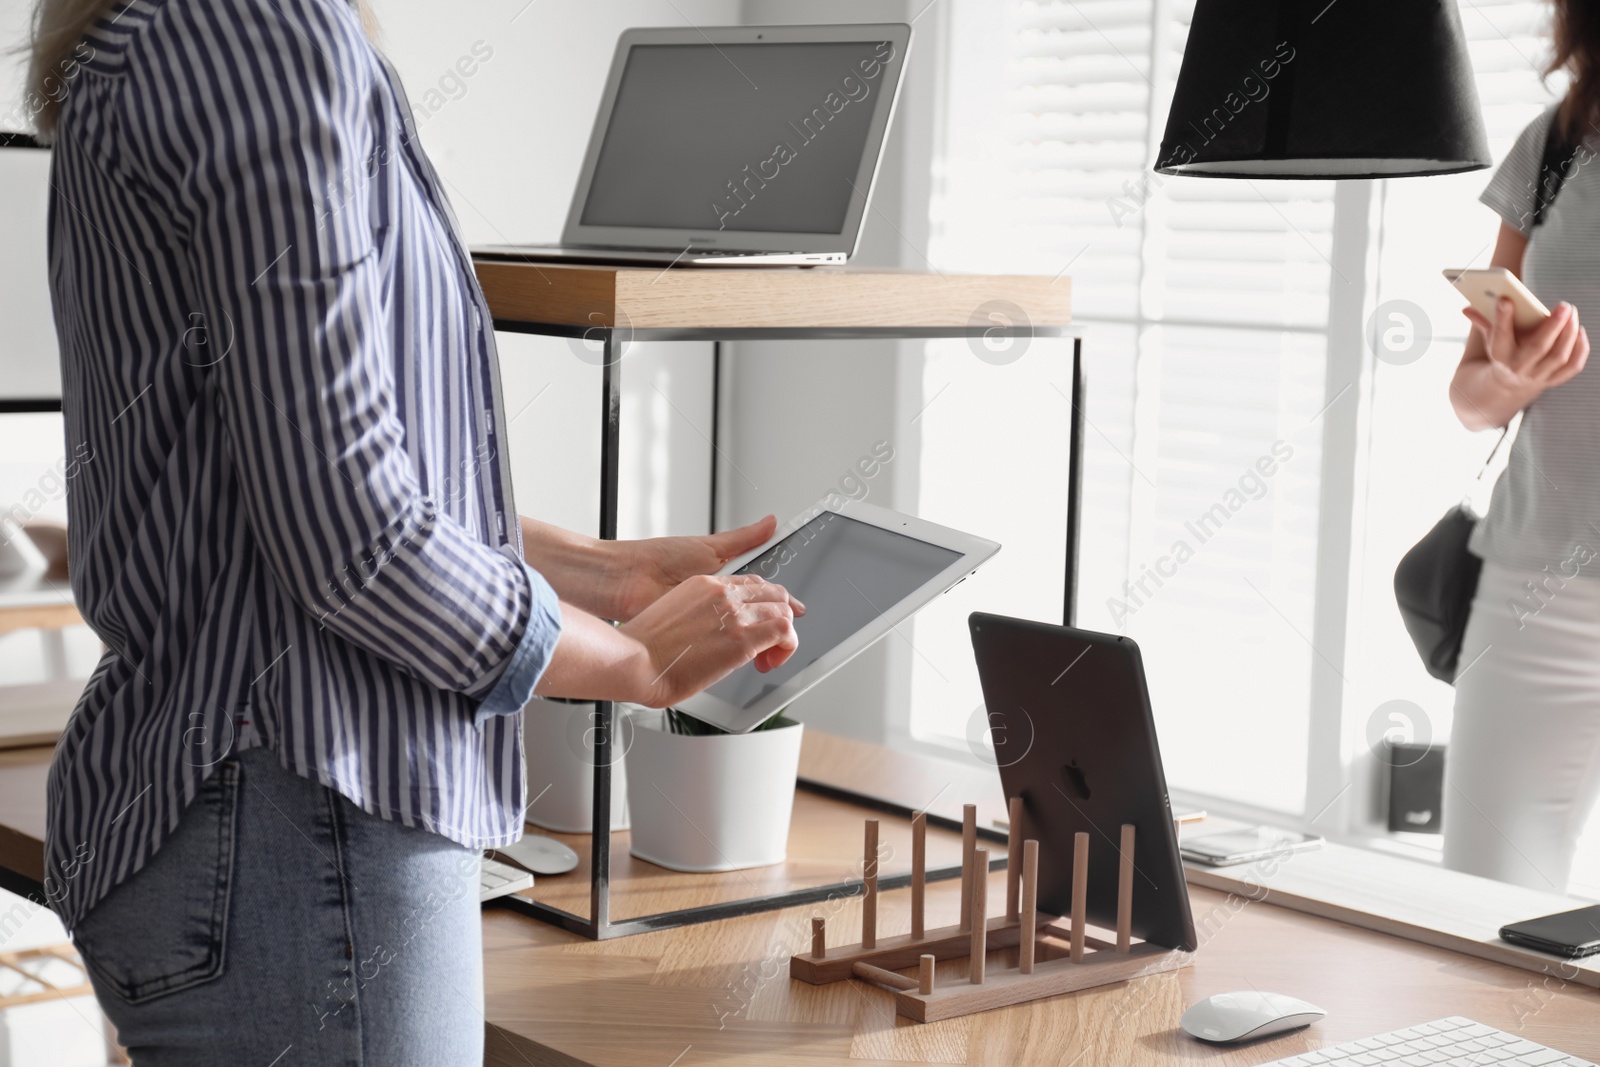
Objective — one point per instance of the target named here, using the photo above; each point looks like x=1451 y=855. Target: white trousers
x=1522 y=772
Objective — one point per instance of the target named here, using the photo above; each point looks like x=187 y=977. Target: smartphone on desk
x=1484 y=287
x=1230 y=847
x=1573 y=934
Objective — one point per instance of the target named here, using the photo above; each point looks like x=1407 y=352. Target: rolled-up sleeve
x=527 y=663
x=265 y=143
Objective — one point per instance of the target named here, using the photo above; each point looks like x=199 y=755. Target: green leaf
x=685 y=725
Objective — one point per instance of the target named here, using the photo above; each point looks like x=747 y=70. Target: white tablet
x=860 y=570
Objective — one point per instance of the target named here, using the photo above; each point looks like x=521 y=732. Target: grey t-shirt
x=1546 y=506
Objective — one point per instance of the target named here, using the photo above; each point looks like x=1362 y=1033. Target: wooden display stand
x=1052 y=958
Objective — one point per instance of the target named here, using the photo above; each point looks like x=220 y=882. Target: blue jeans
x=280 y=924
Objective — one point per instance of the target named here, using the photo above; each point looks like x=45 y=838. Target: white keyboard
x=496 y=879
x=1452 y=1042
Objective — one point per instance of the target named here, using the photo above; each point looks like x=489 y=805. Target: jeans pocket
x=165 y=928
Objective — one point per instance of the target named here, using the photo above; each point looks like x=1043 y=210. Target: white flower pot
x=716 y=803
x=558 y=740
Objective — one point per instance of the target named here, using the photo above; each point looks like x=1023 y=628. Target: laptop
x=734 y=146
x=1075 y=739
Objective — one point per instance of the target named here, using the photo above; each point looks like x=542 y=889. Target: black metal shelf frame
x=598 y=925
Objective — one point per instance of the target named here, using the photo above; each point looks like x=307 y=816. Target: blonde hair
x=56 y=47
x=55 y=50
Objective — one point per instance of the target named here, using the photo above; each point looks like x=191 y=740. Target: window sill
x=1417 y=901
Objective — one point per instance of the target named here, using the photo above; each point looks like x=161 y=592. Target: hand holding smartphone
x=1484 y=289
x=1535 y=350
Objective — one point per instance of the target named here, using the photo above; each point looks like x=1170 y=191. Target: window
x=1253 y=473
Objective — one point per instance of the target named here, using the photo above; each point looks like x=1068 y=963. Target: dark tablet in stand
x=1070 y=716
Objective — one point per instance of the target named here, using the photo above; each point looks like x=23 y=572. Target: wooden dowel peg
x=1029 y=906
x=1125 y=891
x=919 y=873
x=1013 y=855
x=869 y=878
x=877 y=974
x=1080 y=893
x=819 y=937
x=980 y=910
x=969 y=843
x=925 y=974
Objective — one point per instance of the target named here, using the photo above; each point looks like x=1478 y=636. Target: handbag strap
x=1493 y=452
x=1559 y=150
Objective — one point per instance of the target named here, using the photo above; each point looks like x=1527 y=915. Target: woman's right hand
x=1551 y=353
x=705 y=627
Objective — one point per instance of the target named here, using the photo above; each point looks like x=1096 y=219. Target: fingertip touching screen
x=846 y=573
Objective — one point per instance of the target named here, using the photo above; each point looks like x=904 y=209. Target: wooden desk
x=720 y=992
x=34 y=714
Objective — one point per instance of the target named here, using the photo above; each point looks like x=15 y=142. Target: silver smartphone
x=1232 y=847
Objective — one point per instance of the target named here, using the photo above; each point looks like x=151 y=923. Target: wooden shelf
x=760 y=298
x=36 y=602
x=823 y=850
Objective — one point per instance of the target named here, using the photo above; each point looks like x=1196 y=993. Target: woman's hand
x=646 y=570
x=705 y=627
x=619 y=579
x=1548 y=355
x=692 y=637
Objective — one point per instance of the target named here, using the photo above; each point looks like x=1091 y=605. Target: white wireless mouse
x=540 y=854
x=1246 y=1016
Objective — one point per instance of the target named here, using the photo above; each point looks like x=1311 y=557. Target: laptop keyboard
x=1452 y=1042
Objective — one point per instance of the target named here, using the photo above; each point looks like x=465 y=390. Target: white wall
x=508 y=141
x=27 y=350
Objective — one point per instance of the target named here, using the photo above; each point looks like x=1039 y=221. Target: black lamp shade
x=1313 y=89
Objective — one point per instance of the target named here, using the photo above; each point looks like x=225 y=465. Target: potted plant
x=558 y=739
x=703 y=799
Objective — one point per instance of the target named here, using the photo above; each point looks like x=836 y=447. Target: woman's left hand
x=619 y=579
x=642 y=571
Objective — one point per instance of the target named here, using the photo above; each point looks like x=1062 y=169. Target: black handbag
x=1434 y=586
x=1436 y=581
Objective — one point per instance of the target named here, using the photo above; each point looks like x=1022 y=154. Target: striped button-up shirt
x=291 y=518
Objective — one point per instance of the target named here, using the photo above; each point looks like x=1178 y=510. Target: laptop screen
x=754 y=137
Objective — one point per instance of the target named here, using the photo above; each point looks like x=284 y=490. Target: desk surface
x=720 y=992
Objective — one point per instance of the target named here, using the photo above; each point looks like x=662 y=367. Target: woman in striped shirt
x=1523 y=772
x=293 y=529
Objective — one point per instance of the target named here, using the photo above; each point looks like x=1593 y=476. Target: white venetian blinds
x=1205 y=307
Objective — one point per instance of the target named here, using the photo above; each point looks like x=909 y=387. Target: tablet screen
x=847 y=573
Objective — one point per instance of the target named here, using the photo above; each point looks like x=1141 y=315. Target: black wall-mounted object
x=1313 y=89
x=1416 y=787
x=20 y=140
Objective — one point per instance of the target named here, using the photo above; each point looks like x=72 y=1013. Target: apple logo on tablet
x=1075 y=778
